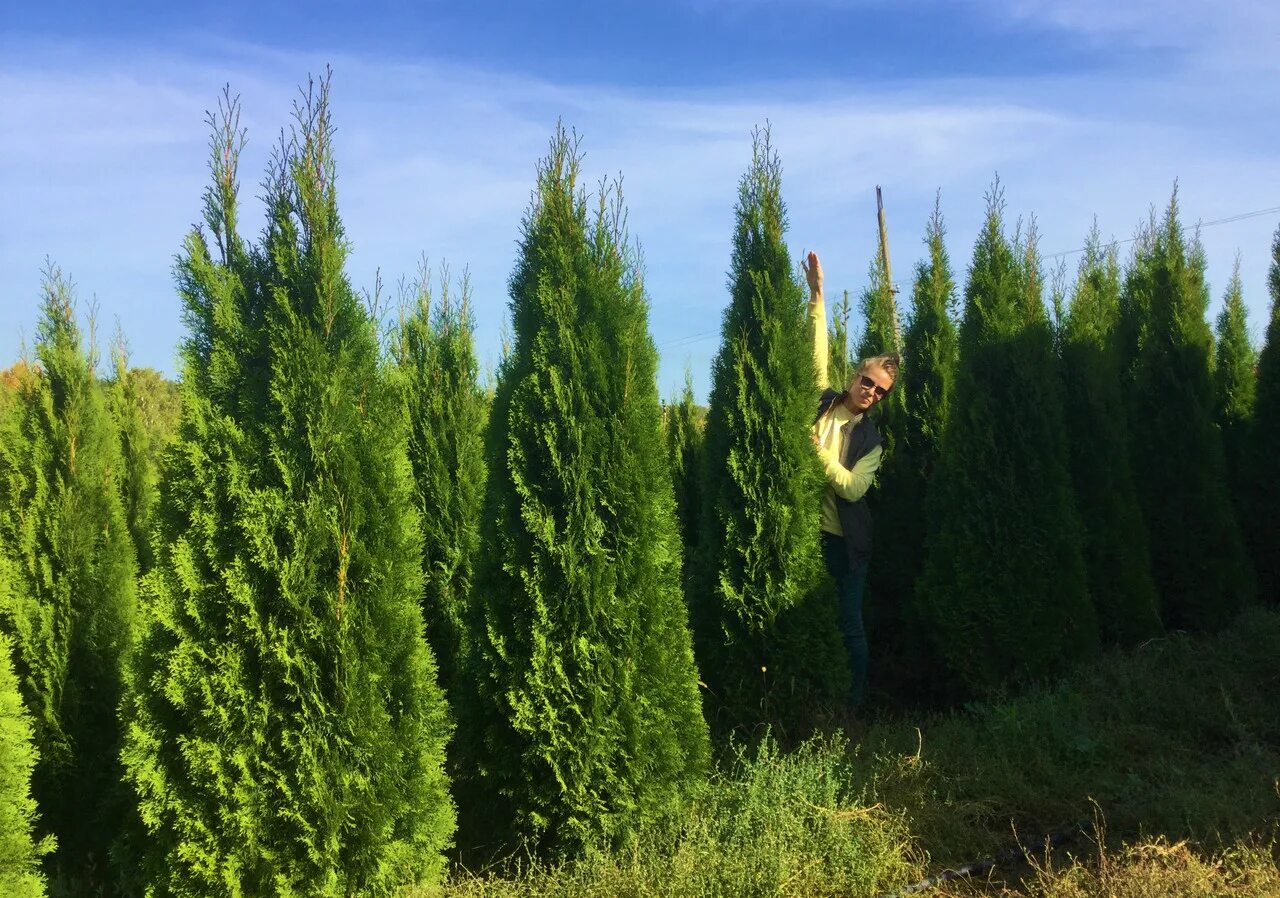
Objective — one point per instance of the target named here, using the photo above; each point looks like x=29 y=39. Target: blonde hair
x=889 y=361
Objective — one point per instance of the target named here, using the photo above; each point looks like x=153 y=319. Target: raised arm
x=817 y=316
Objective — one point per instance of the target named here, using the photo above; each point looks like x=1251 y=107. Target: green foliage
x=929 y=358
x=20 y=853
x=1096 y=743
x=760 y=561
x=139 y=479
x=879 y=308
x=70 y=607
x=1004 y=585
x=684 y=435
x=880 y=334
x=1234 y=383
x=840 y=366
x=890 y=577
x=1262 y=461
x=1201 y=571
x=446 y=410
x=920 y=794
x=589 y=717
x=930 y=351
x=1115 y=535
x=286 y=731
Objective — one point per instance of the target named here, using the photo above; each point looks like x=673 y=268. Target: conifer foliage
x=1234 y=382
x=138 y=476
x=684 y=423
x=1115 y=535
x=1004 y=585
x=890 y=576
x=20 y=874
x=928 y=365
x=446 y=412
x=929 y=353
x=839 y=365
x=71 y=604
x=1197 y=558
x=286 y=730
x=1262 y=461
x=762 y=484
x=589 y=708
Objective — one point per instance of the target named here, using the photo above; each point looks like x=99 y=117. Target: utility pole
x=888 y=272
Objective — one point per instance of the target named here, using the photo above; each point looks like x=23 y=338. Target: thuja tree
x=1234 y=382
x=929 y=352
x=890 y=578
x=138 y=475
x=764 y=626
x=1197 y=558
x=929 y=360
x=684 y=422
x=71 y=604
x=1115 y=535
x=445 y=409
x=20 y=851
x=286 y=729
x=839 y=366
x=1262 y=461
x=588 y=704
x=1004 y=587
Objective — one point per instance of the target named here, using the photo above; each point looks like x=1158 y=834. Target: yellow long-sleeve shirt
x=850 y=484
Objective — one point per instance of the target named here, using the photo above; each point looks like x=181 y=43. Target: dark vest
x=855 y=517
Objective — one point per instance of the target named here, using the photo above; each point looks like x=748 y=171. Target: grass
x=1176 y=745
x=1152 y=869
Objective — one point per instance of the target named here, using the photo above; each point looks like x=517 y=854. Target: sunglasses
x=868 y=384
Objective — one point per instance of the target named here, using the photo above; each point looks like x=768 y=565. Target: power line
x=685 y=341
x=1204 y=224
x=696 y=338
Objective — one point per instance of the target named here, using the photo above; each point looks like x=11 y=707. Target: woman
x=850 y=448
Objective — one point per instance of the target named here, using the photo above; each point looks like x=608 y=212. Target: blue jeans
x=851 y=583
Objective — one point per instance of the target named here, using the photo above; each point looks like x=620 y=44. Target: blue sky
x=1084 y=107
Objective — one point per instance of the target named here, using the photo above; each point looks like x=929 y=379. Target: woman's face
x=868 y=387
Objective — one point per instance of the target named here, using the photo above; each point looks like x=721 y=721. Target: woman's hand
x=813 y=274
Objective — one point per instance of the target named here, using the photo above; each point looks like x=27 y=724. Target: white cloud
x=1232 y=33
x=103 y=162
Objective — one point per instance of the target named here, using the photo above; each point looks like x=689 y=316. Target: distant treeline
x=329 y=610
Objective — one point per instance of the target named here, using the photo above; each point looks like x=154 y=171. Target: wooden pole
x=888 y=272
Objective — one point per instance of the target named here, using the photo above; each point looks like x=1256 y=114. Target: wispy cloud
x=103 y=162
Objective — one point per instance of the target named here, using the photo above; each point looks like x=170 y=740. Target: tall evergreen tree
x=1262 y=461
x=765 y=627
x=446 y=411
x=1197 y=558
x=930 y=352
x=929 y=360
x=1004 y=584
x=139 y=479
x=1234 y=383
x=588 y=693
x=286 y=729
x=890 y=578
x=1135 y=311
x=684 y=435
x=20 y=852
x=1115 y=535
x=71 y=605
